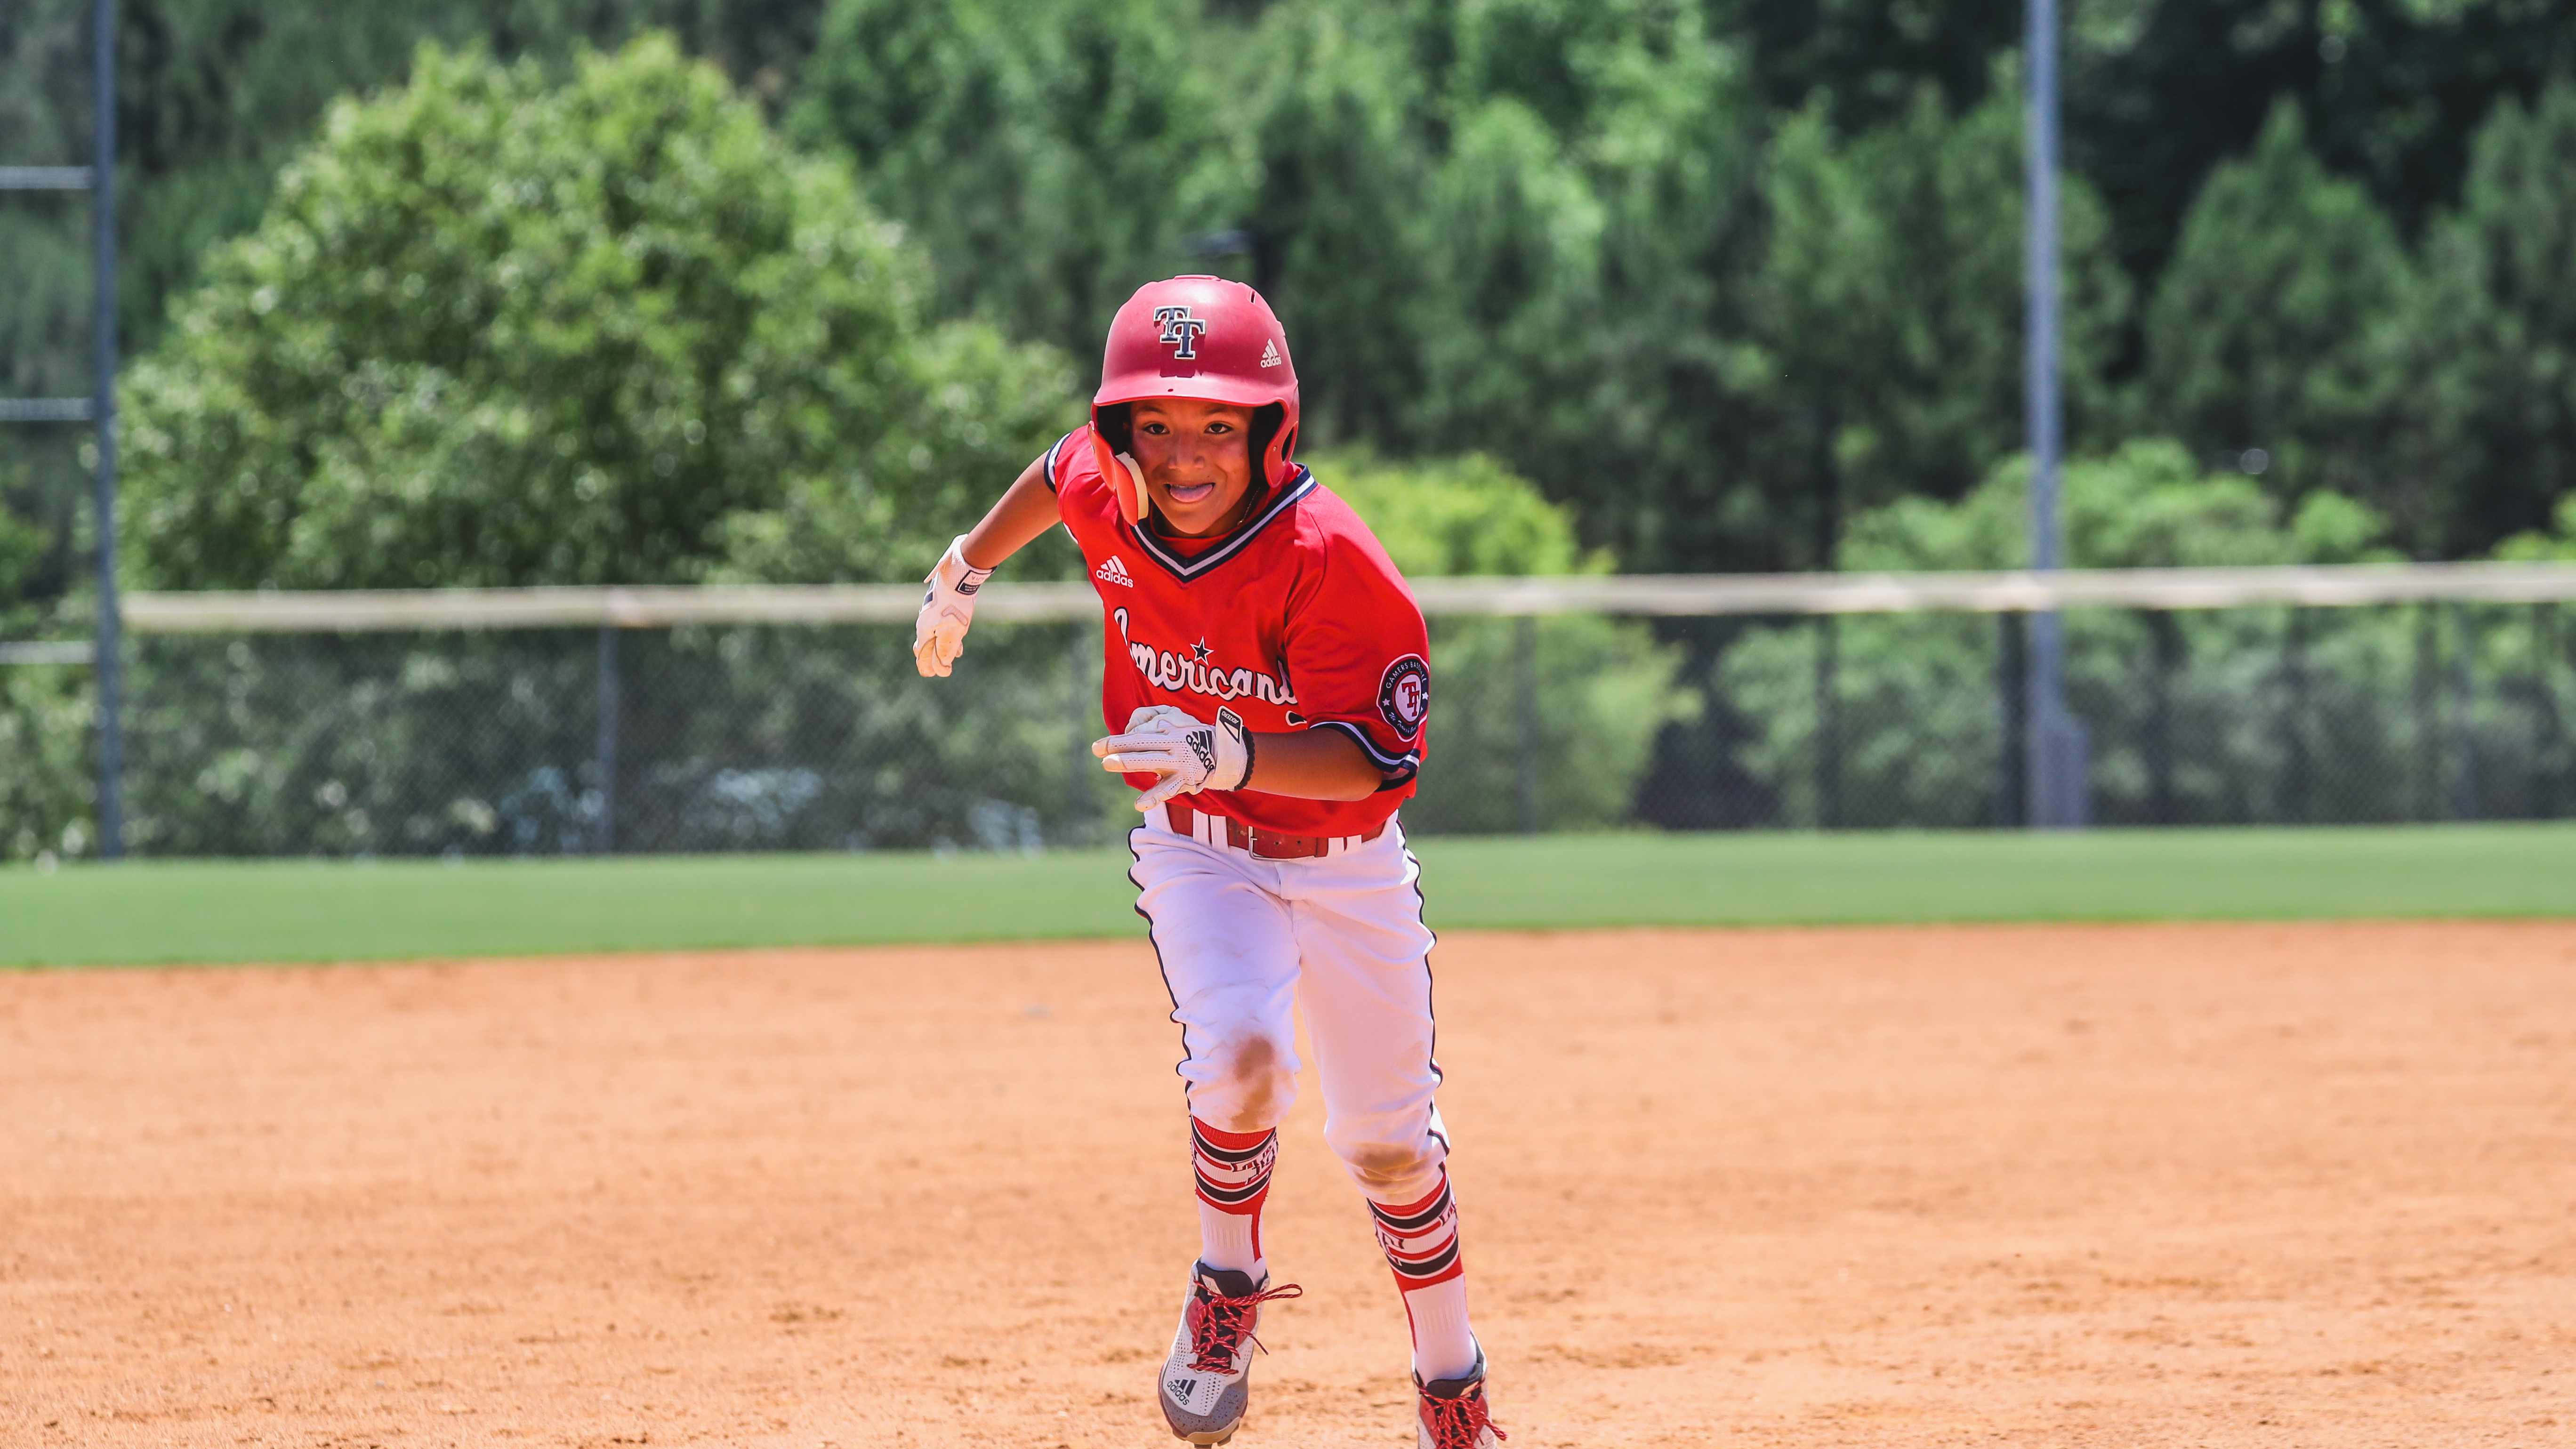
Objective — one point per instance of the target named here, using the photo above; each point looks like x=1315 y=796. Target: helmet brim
x=1203 y=387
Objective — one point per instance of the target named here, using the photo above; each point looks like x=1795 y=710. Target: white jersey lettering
x=1165 y=669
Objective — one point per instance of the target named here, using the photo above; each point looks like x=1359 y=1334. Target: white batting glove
x=1190 y=756
x=947 y=607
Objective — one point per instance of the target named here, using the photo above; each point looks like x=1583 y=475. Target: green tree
x=2554 y=544
x=1054 y=155
x=1893 y=292
x=2159 y=93
x=2265 y=331
x=214 y=96
x=2490 y=407
x=1869 y=62
x=1596 y=218
x=494 y=331
x=1512 y=318
x=1330 y=117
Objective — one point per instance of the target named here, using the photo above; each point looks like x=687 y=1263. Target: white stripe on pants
x=1245 y=943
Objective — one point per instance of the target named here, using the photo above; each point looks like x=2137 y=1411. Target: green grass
x=210 y=912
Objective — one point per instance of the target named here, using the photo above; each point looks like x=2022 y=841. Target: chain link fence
x=767 y=736
x=2247 y=716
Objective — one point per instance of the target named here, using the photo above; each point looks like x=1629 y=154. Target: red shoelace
x=1455 y=1423
x=1224 y=1323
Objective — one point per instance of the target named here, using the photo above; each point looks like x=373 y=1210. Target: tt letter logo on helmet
x=1180 y=331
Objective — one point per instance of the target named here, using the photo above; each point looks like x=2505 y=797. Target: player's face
x=1196 y=460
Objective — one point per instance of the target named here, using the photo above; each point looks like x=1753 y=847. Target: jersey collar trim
x=1186 y=569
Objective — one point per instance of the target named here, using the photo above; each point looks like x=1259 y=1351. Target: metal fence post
x=2465 y=804
x=1525 y=690
x=604 y=748
x=1829 y=726
x=2300 y=785
x=2428 y=739
x=2550 y=760
x=2012 y=775
x=2165 y=661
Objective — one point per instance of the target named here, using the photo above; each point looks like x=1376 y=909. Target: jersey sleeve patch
x=1404 y=695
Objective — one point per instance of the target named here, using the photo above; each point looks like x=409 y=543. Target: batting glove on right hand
x=947 y=607
x=1189 y=755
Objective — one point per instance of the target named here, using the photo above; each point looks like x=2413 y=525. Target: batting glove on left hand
x=1189 y=755
x=947 y=608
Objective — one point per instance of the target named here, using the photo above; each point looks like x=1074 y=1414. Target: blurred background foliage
x=1717 y=274
x=567 y=291
x=495 y=331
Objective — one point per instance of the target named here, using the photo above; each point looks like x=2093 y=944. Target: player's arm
x=1191 y=754
x=1312 y=765
x=1026 y=509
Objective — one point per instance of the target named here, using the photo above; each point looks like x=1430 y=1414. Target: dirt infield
x=2201 y=1186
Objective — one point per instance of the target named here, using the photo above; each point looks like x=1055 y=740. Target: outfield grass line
x=219 y=912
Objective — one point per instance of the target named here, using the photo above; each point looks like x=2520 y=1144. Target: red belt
x=1264 y=844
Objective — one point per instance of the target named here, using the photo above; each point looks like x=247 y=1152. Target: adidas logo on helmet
x=1269 y=354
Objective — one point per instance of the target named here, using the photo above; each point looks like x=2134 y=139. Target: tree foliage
x=1893 y=288
x=2159 y=93
x=2493 y=393
x=2265 y=331
x=495 y=331
x=1715 y=275
x=1054 y=155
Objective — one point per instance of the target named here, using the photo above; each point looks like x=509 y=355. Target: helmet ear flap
x=1267 y=422
x=1116 y=424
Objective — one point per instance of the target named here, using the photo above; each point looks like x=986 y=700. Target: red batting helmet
x=1204 y=338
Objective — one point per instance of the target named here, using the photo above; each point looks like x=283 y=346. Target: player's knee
x=1390 y=1170
x=1251 y=1087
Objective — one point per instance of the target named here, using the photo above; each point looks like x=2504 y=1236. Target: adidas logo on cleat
x=1114 y=572
x=1180 y=1388
x=1270 y=354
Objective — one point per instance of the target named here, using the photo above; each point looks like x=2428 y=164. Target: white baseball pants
x=1244 y=943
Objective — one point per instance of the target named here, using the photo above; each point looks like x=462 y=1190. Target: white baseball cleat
x=1206 y=1383
x=1452 y=1414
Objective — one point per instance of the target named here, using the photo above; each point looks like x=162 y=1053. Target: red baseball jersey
x=1296 y=620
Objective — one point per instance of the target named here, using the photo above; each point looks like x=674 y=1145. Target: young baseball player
x=1267 y=677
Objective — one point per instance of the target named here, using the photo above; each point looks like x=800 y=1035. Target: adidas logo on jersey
x=1270 y=354
x=1114 y=572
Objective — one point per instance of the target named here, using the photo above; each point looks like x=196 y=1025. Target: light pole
x=110 y=656
x=2055 y=738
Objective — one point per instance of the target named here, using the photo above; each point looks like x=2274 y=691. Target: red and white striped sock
x=1421 y=1243
x=1233 y=1170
